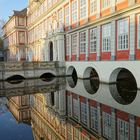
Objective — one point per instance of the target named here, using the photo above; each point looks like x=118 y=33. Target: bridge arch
x=15 y=79
x=72 y=80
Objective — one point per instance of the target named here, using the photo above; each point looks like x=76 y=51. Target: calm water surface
x=69 y=109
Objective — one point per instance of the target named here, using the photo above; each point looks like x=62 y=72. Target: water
x=69 y=109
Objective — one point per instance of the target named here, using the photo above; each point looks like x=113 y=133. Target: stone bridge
x=31 y=86
x=29 y=70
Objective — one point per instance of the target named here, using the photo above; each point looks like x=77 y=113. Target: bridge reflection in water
x=61 y=110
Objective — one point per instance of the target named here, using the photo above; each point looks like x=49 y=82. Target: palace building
x=85 y=34
x=15 y=36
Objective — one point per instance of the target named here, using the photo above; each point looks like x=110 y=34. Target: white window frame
x=94 y=118
x=123 y=129
x=123 y=34
x=74 y=43
x=138 y=132
x=67 y=15
x=107 y=129
x=106 y=4
x=93 y=7
x=74 y=12
x=138 y=31
x=83 y=9
x=60 y=16
x=83 y=42
x=106 y=37
x=93 y=40
x=67 y=45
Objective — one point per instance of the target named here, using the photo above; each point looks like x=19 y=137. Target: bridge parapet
x=31 y=69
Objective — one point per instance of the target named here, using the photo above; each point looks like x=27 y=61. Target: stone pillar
x=113 y=124
x=55 y=55
x=87 y=38
x=46 y=50
x=132 y=127
x=132 y=37
x=98 y=42
x=61 y=47
x=113 y=3
x=113 y=40
x=62 y=102
x=98 y=8
x=99 y=118
x=78 y=47
x=70 y=49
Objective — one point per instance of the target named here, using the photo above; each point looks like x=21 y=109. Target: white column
x=98 y=42
x=132 y=37
x=46 y=51
x=113 y=40
x=61 y=47
x=87 y=38
x=113 y=3
x=113 y=124
x=98 y=8
x=78 y=47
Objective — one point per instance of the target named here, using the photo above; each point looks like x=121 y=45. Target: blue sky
x=7 y=7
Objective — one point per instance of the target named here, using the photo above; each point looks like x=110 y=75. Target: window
x=106 y=37
x=67 y=45
x=83 y=10
x=123 y=34
x=123 y=129
x=74 y=43
x=69 y=105
x=94 y=118
x=75 y=108
x=84 y=113
x=67 y=15
x=93 y=40
x=105 y=3
x=60 y=16
x=83 y=42
x=93 y=6
x=21 y=21
x=138 y=133
x=21 y=37
x=138 y=31
x=74 y=11
x=107 y=125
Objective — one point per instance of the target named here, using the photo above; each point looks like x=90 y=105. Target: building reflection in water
x=74 y=114
x=19 y=106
